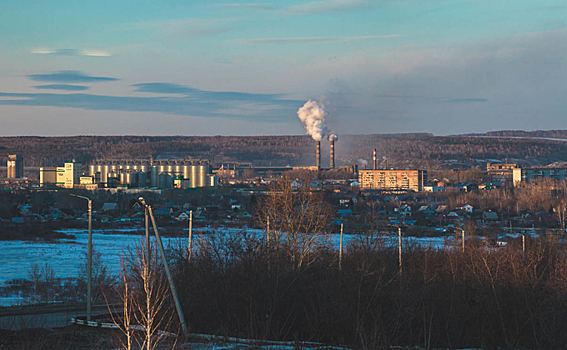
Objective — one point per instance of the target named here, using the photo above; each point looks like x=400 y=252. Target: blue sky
x=244 y=68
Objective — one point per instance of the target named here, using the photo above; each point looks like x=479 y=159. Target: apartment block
x=392 y=179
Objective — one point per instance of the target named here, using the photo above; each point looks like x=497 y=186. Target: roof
x=109 y=206
x=463 y=205
x=490 y=215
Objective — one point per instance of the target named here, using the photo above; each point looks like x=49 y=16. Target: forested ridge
x=398 y=150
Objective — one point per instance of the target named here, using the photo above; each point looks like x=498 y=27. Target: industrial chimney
x=374 y=157
x=332 y=165
x=332 y=138
x=318 y=155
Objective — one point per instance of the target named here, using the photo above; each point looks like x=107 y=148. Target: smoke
x=361 y=161
x=333 y=136
x=313 y=116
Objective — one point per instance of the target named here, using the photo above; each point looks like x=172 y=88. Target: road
x=44 y=316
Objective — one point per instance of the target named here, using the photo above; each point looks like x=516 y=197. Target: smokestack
x=332 y=155
x=332 y=138
x=374 y=158
x=318 y=155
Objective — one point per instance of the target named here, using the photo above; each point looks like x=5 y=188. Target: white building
x=67 y=176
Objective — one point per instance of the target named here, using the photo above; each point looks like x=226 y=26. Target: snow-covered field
x=65 y=256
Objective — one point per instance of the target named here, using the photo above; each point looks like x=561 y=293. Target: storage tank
x=105 y=169
x=165 y=180
x=124 y=178
x=154 y=179
x=193 y=176
x=142 y=179
x=203 y=172
x=186 y=172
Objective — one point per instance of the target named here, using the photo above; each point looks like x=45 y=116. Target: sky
x=112 y=67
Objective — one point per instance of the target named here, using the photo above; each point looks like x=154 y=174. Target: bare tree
x=147 y=315
x=561 y=211
x=299 y=218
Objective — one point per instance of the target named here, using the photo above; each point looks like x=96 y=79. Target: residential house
x=465 y=207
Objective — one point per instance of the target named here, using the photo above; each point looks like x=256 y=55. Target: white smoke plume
x=313 y=116
x=362 y=162
x=333 y=136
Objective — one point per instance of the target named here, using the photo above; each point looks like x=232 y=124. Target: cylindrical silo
x=193 y=176
x=104 y=173
x=142 y=179
x=165 y=180
x=154 y=179
x=186 y=170
x=202 y=176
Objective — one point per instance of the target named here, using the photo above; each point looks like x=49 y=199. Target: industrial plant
x=131 y=173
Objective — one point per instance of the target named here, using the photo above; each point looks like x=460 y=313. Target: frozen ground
x=65 y=256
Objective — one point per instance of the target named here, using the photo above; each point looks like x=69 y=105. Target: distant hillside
x=556 y=134
x=394 y=150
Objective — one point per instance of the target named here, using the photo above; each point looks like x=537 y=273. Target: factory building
x=66 y=176
x=532 y=174
x=15 y=166
x=162 y=173
x=392 y=179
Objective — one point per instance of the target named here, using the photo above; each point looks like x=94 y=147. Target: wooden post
x=400 y=248
x=463 y=232
x=268 y=231
x=341 y=249
x=190 y=247
x=523 y=243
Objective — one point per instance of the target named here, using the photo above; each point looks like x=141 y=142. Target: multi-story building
x=539 y=173
x=500 y=170
x=15 y=166
x=392 y=179
x=66 y=176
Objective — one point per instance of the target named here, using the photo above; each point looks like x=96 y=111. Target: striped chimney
x=332 y=155
x=374 y=157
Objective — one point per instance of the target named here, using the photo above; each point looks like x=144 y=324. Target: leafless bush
x=486 y=298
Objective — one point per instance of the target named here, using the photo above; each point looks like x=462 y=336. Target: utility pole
x=268 y=231
x=341 y=249
x=167 y=272
x=190 y=248
x=463 y=237
x=400 y=248
x=89 y=255
x=147 y=237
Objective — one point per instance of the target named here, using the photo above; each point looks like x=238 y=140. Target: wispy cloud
x=192 y=102
x=466 y=100
x=68 y=76
x=252 y=5
x=65 y=87
x=316 y=7
x=314 y=39
x=168 y=88
x=186 y=28
x=71 y=52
